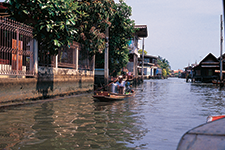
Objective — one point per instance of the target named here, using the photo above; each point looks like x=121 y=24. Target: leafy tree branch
x=53 y=20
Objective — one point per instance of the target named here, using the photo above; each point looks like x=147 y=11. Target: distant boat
x=108 y=96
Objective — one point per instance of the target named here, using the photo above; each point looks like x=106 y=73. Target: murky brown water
x=155 y=119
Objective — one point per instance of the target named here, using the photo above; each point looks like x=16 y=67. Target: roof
x=208 y=56
x=149 y=56
x=188 y=67
x=209 y=61
x=177 y=71
x=142 y=30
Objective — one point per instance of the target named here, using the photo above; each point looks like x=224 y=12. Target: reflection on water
x=210 y=97
x=42 y=128
x=156 y=118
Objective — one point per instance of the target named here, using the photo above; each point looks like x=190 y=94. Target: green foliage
x=57 y=23
x=121 y=30
x=164 y=73
x=140 y=51
x=164 y=65
x=53 y=20
x=92 y=23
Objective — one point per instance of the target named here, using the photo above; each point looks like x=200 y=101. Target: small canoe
x=107 y=96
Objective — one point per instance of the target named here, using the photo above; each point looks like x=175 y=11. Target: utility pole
x=221 y=59
x=106 y=66
x=142 y=72
x=221 y=51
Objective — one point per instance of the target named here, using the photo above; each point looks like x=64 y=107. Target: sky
x=181 y=31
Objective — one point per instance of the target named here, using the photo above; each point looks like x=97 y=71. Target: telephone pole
x=142 y=72
x=221 y=51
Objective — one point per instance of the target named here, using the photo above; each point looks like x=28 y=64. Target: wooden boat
x=213 y=118
x=108 y=96
x=210 y=135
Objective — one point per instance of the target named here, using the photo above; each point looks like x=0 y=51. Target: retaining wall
x=17 y=89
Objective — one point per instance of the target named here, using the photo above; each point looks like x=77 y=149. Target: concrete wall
x=13 y=89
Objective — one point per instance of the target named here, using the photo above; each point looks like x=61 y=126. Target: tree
x=58 y=22
x=140 y=52
x=53 y=21
x=164 y=73
x=164 y=65
x=121 y=31
x=92 y=23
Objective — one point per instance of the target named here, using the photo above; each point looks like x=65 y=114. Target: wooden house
x=205 y=71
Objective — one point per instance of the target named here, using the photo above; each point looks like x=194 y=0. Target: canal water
x=155 y=119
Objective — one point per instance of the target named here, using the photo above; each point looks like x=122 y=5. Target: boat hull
x=107 y=96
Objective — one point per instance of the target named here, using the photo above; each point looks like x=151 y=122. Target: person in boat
x=121 y=85
x=114 y=86
x=128 y=88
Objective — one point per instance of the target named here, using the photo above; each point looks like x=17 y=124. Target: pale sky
x=182 y=31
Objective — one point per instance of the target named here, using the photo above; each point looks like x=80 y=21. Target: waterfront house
x=132 y=65
x=150 y=66
x=176 y=73
x=187 y=71
x=158 y=73
x=133 y=55
x=205 y=71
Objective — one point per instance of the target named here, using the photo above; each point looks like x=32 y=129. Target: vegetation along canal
x=155 y=119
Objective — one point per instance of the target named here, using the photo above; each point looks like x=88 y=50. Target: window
x=210 y=72
x=66 y=55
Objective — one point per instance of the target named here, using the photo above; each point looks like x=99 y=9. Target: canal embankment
x=17 y=90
